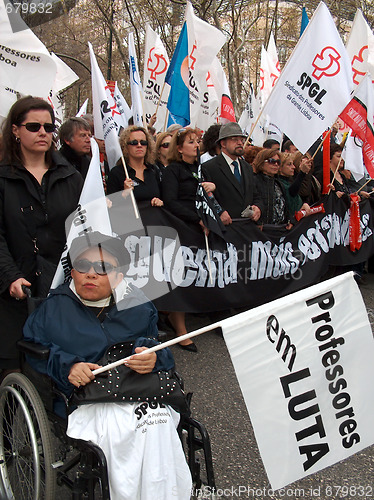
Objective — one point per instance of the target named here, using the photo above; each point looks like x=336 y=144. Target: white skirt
x=142 y=447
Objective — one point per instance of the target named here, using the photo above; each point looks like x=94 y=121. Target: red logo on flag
x=357 y=63
x=192 y=58
x=326 y=63
x=156 y=64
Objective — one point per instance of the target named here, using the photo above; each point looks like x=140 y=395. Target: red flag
x=326 y=161
x=358 y=115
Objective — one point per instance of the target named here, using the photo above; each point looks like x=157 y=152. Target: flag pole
x=320 y=145
x=132 y=191
x=364 y=185
x=337 y=168
x=158 y=347
x=158 y=104
x=208 y=255
x=166 y=119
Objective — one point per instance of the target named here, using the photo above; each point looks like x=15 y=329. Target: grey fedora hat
x=230 y=129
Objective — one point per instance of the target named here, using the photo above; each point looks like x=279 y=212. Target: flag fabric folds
x=104 y=112
x=308 y=355
x=156 y=62
x=204 y=42
x=359 y=45
x=177 y=77
x=135 y=85
x=91 y=214
x=358 y=115
x=315 y=84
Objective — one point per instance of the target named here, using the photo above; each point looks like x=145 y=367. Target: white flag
x=305 y=367
x=25 y=64
x=83 y=109
x=269 y=75
x=156 y=62
x=315 y=84
x=135 y=85
x=250 y=111
x=104 y=111
x=219 y=80
x=273 y=53
x=122 y=106
x=204 y=42
x=209 y=106
x=358 y=46
x=91 y=214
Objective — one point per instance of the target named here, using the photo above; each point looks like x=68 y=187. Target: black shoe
x=189 y=347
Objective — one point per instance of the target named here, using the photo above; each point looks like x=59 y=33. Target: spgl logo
x=326 y=63
x=156 y=64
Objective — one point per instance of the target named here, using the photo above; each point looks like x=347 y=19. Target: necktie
x=236 y=170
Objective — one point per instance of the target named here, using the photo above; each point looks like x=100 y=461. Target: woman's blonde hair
x=125 y=137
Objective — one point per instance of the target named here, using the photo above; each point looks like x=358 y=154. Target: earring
x=18 y=140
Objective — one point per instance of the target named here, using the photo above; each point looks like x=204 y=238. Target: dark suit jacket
x=231 y=195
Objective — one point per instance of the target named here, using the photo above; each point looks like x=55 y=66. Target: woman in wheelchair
x=79 y=322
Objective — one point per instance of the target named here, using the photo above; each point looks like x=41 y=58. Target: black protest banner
x=251 y=266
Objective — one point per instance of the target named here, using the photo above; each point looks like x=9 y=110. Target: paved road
x=218 y=403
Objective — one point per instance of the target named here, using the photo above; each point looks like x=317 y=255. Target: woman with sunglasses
x=271 y=190
x=79 y=321
x=162 y=149
x=144 y=178
x=38 y=190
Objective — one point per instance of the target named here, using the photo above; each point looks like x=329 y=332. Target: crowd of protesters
x=40 y=187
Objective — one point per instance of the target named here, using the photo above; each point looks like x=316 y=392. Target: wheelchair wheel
x=26 y=450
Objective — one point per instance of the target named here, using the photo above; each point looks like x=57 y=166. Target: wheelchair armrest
x=33 y=349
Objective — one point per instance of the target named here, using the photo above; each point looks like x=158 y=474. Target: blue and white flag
x=135 y=85
x=178 y=79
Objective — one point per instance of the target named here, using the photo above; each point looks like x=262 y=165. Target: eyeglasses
x=100 y=267
x=134 y=142
x=273 y=162
x=35 y=127
x=165 y=145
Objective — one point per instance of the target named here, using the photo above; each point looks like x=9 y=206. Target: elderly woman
x=138 y=151
x=270 y=189
x=38 y=190
x=79 y=322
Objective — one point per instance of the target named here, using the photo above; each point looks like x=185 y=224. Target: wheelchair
x=38 y=461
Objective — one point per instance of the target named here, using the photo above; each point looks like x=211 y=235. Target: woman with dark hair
x=138 y=151
x=210 y=148
x=179 y=185
x=38 y=190
x=271 y=190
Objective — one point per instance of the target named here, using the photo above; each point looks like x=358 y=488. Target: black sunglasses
x=134 y=142
x=273 y=162
x=100 y=267
x=165 y=144
x=35 y=127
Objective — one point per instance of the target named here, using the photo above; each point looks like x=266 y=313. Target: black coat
x=231 y=195
x=80 y=162
x=143 y=190
x=27 y=211
x=265 y=186
x=179 y=184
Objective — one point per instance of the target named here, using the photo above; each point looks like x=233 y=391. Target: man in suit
x=233 y=176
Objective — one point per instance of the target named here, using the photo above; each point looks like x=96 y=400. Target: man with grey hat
x=233 y=177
